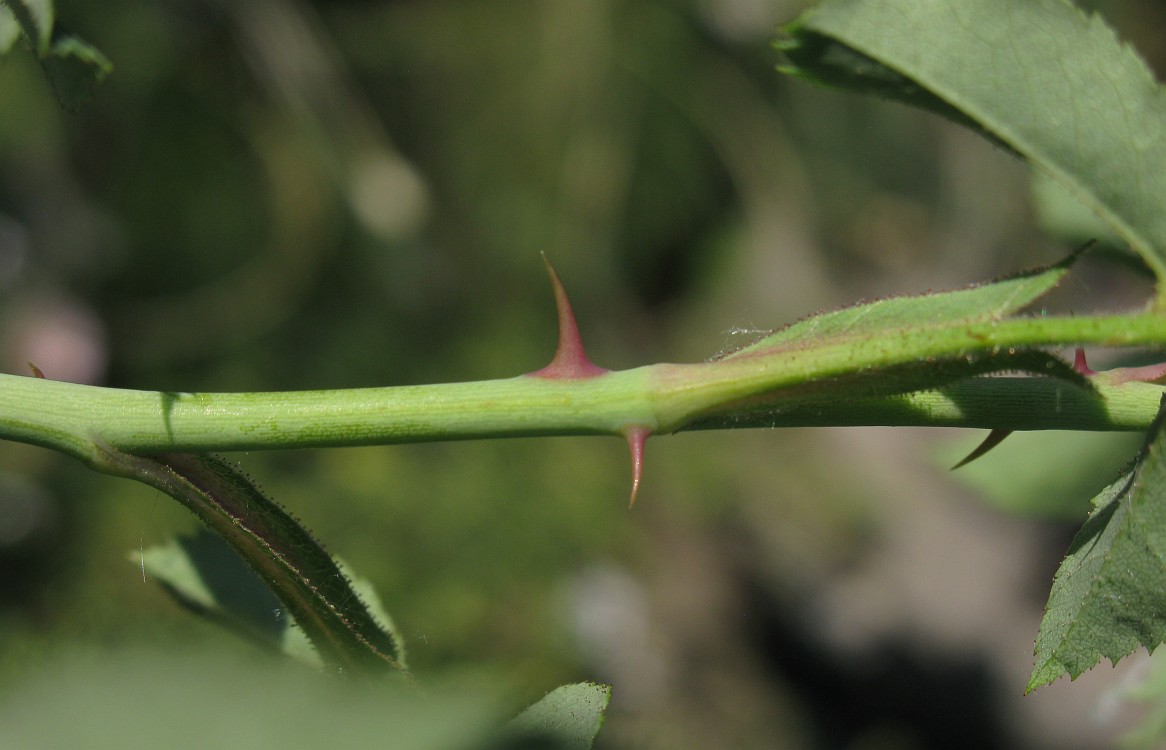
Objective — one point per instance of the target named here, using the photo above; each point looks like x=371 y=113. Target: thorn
x=1080 y=365
x=637 y=437
x=570 y=361
x=995 y=437
x=36 y=371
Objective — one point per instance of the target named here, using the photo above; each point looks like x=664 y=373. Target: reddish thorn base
x=1118 y=375
x=1080 y=365
x=570 y=361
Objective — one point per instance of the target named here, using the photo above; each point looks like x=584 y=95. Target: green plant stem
x=741 y=391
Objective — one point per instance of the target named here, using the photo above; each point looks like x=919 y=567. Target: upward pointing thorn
x=570 y=361
x=1080 y=365
x=637 y=437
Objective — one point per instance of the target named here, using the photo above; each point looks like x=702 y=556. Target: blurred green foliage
x=288 y=194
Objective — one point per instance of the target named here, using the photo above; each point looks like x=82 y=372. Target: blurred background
x=284 y=194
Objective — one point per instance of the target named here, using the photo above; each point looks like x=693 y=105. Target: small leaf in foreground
x=309 y=582
x=570 y=716
x=183 y=698
x=1107 y=598
x=205 y=575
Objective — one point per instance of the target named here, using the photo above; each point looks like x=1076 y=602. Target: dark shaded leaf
x=307 y=580
x=1107 y=595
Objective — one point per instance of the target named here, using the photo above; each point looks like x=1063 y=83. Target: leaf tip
x=1051 y=670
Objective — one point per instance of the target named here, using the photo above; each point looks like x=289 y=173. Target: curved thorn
x=995 y=437
x=637 y=437
x=570 y=361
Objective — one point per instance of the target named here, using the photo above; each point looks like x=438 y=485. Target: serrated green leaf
x=307 y=580
x=569 y=716
x=1107 y=595
x=205 y=575
x=992 y=301
x=371 y=600
x=1053 y=84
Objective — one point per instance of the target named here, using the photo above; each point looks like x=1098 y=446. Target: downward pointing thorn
x=995 y=437
x=637 y=437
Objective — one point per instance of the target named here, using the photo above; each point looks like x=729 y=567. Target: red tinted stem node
x=1155 y=373
x=572 y=363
